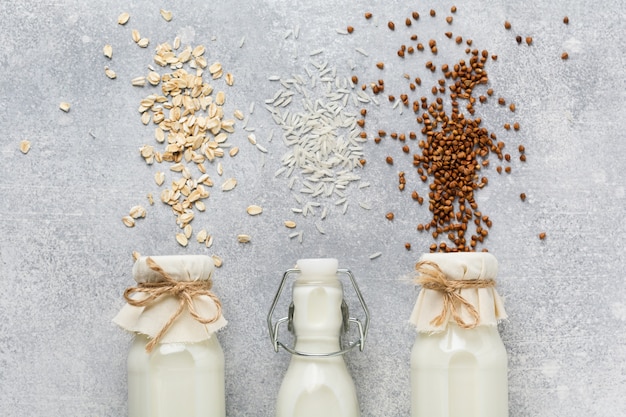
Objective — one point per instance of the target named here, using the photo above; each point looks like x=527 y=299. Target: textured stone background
x=65 y=256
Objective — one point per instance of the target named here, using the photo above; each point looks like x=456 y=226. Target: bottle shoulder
x=456 y=339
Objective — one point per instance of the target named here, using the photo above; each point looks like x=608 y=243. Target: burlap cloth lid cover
x=149 y=320
x=464 y=266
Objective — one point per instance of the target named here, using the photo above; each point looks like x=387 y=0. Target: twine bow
x=432 y=278
x=185 y=291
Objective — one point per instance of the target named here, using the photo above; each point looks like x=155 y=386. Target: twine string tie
x=185 y=291
x=431 y=277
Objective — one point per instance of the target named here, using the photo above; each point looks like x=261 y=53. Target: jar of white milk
x=317 y=382
x=176 y=363
x=458 y=361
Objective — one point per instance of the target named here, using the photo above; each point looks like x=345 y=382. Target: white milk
x=459 y=373
x=176 y=379
x=317 y=386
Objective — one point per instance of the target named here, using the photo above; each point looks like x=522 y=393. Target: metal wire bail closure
x=274 y=327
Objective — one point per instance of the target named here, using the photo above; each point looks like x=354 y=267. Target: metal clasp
x=274 y=327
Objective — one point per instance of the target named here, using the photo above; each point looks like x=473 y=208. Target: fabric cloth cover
x=149 y=320
x=460 y=266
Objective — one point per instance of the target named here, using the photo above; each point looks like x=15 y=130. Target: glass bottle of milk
x=176 y=363
x=317 y=382
x=458 y=361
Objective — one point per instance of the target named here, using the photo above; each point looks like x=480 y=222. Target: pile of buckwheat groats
x=450 y=148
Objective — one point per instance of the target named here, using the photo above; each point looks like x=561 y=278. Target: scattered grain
x=138 y=81
x=110 y=73
x=137 y=212
x=323 y=137
x=182 y=239
x=215 y=69
x=229 y=184
x=190 y=123
x=154 y=78
x=123 y=18
x=166 y=14
x=128 y=221
x=25 y=146
x=290 y=224
x=108 y=51
x=159 y=178
x=254 y=210
x=202 y=236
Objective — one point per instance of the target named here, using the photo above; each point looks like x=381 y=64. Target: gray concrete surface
x=65 y=256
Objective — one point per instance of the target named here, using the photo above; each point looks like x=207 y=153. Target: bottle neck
x=317 y=316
